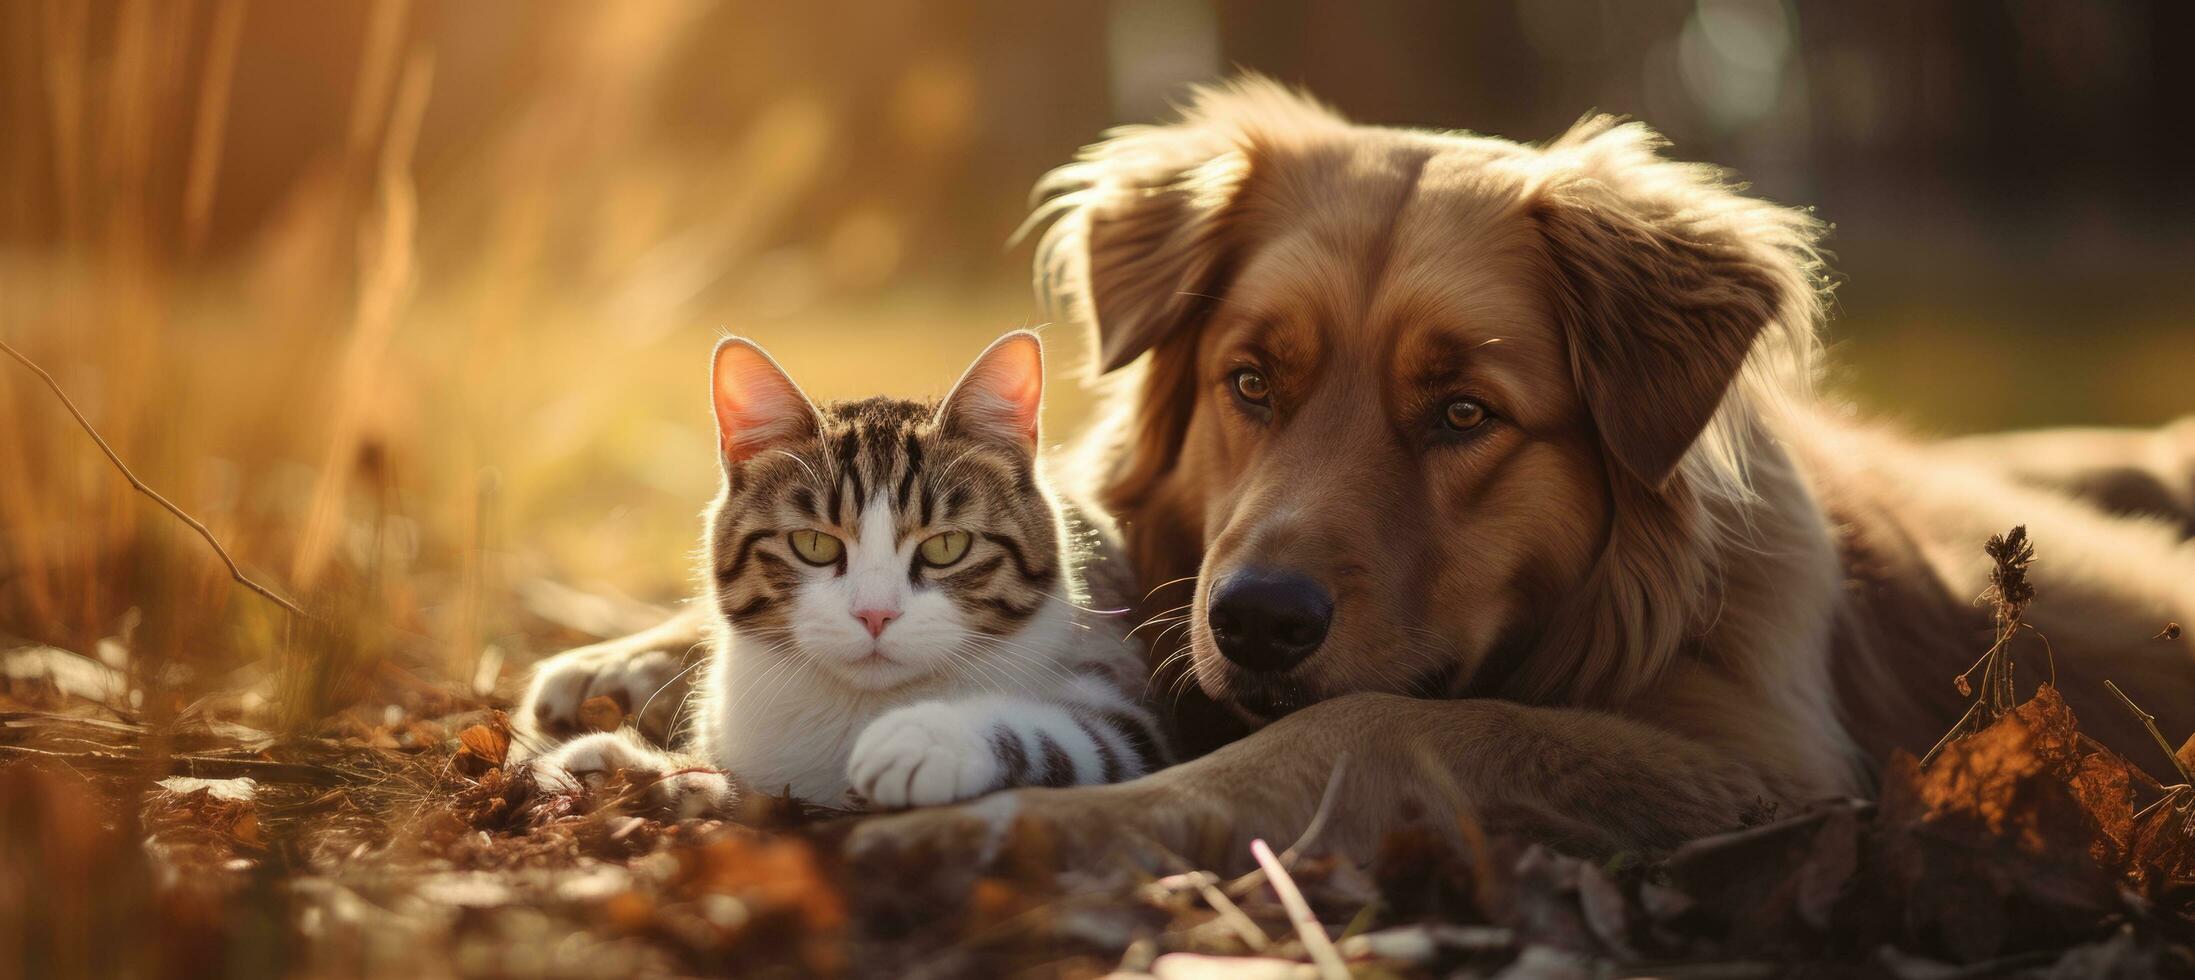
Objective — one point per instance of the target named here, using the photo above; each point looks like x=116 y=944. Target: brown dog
x=1498 y=473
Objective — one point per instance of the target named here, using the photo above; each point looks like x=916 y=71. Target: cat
x=892 y=596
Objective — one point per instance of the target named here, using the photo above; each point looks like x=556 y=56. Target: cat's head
x=882 y=540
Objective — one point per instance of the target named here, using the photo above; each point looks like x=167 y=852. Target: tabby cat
x=894 y=590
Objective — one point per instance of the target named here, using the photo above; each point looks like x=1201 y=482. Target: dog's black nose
x=1269 y=620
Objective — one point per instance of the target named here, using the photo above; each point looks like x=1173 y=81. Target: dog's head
x=1424 y=412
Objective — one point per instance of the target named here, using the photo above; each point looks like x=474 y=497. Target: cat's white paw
x=589 y=761
x=647 y=686
x=692 y=793
x=668 y=785
x=923 y=755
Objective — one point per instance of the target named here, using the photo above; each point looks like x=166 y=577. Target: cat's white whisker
x=666 y=685
x=1065 y=601
x=1006 y=683
x=992 y=644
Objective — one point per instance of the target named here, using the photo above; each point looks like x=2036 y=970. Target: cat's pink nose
x=876 y=619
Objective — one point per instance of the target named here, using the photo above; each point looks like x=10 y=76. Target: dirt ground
x=388 y=839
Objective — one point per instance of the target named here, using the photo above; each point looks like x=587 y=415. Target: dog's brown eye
x=1250 y=384
x=1463 y=415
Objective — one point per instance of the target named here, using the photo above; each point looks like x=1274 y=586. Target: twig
x=1314 y=936
x=1325 y=810
x=234 y=571
x=1250 y=882
x=2149 y=721
x=1236 y=919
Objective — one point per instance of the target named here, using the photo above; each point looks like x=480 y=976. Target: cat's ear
x=999 y=397
x=757 y=404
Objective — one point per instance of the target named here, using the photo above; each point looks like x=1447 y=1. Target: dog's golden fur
x=1663 y=587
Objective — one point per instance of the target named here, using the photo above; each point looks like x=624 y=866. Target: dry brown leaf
x=2012 y=779
x=2006 y=842
x=246 y=828
x=601 y=713
x=2104 y=787
x=2163 y=847
x=484 y=747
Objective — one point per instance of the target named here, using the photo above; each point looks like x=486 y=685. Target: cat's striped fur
x=868 y=669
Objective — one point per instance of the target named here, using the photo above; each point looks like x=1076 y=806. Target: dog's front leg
x=1592 y=781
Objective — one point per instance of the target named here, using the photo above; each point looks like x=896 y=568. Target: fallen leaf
x=2162 y=850
x=485 y=746
x=2003 y=844
x=2103 y=784
x=601 y=713
x=2010 y=780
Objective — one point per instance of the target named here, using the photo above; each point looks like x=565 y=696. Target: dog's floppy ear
x=1139 y=241
x=1665 y=278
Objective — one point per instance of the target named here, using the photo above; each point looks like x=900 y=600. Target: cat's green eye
x=940 y=550
x=816 y=547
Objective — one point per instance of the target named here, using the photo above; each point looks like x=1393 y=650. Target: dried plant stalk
x=1315 y=941
x=2009 y=593
x=235 y=571
x=2149 y=721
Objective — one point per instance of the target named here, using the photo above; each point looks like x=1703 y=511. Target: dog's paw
x=663 y=784
x=922 y=755
x=648 y=687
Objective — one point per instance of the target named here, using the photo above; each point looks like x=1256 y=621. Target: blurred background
x=410 y=301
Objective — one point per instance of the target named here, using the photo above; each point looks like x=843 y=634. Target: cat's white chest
x=798 y=760
x=784 y=727
x=783 y=737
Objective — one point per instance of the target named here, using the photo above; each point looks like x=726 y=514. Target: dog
x=1500 y=484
